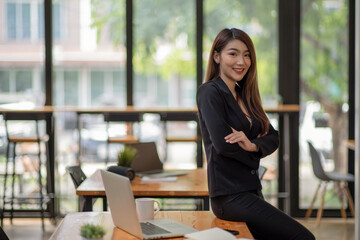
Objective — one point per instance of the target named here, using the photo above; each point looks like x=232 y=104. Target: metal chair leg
x=5 y=180
x=13 y=184
x=40 y=187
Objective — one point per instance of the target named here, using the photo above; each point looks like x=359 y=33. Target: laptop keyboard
x=151 y=229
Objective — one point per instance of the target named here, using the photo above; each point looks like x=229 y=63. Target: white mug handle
x=158 y=207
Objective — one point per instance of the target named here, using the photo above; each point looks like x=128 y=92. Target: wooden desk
x=69 y=228
x=192 y=185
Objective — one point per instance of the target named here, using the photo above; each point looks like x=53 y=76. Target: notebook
x=147 y=161
x=123 y=212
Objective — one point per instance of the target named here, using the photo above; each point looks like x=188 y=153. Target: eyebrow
x=235 y=49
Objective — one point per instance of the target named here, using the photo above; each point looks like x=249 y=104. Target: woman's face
x=234 y=61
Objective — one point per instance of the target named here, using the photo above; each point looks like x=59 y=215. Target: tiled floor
x=330 y=229
x=28 y=229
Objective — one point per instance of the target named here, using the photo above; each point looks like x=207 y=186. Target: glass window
x=56 y=9
x=71 y=88
x=11 y=20
x=4 y=81
x=164 y=52
x=23 y=81
x=19 y=20
x=41 y=29
x=324 y=95
x=257 y=19
x=26 y=21
x=97 y=86
x=94 y=38
x=21 y=65
x=119 y=87
x=56 y=21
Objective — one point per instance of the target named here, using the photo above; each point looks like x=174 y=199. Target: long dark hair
x=249 y=84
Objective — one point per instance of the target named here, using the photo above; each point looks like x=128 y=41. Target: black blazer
x=230 y=168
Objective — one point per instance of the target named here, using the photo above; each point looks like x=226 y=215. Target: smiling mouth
x=239 y=70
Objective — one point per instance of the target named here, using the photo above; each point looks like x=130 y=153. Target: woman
x=236 y=134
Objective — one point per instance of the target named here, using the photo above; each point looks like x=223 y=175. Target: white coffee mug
x=145 y=208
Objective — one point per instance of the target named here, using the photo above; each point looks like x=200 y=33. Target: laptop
x=147 y=162
x=123 y=211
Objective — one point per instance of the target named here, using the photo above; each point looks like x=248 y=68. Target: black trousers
x=263 y=220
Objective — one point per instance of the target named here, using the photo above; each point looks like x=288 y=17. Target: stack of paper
x=211 y=234
x=158 y=179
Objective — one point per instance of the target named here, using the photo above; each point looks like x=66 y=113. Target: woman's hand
x=240 y=138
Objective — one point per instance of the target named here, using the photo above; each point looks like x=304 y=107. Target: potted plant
x=92 y=231
x=126 y=156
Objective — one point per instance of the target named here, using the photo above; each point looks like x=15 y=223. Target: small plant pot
x=84 y=238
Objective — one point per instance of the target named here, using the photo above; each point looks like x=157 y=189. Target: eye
x=247 y=55
x=232 y=54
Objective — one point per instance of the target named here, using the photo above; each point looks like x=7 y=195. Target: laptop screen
x=147 y=158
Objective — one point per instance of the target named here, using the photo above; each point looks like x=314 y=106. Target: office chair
x=326 y=177
x=77 y=177
x=261 y=171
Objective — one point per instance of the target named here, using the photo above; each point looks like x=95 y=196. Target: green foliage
x=259 y=20
x=112 y=14
x=324 y=38
x=92 y=231
x=324 y=49
x=126 y=156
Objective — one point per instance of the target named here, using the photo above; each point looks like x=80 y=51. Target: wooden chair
x=14 y=122
x=325 y=178
x=128 y=118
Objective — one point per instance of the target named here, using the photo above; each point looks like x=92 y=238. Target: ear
x=216 y=57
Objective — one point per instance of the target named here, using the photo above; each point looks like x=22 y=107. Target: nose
x=241 y=60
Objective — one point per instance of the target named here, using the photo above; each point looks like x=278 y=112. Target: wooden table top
x=194 y=184
x=83 y=110
x=44 y=109
x=69 y=228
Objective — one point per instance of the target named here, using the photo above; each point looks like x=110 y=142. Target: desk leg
x=284 y=163
x=199 y=151
x=104 y=204
x=286 y=159
x=79 y=127
x=85 y=203
x=50 y=176
x=206 y=203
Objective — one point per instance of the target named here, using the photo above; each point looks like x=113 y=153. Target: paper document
x=211 y=234
x=158 y=179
